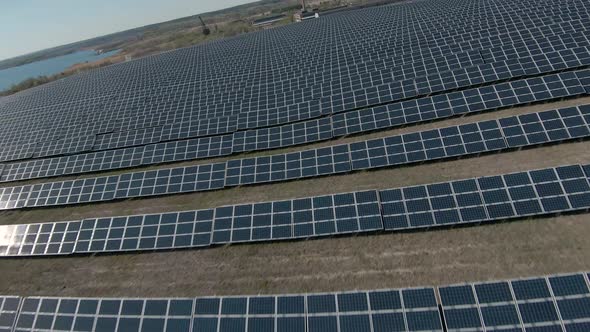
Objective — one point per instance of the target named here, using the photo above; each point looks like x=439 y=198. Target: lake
x=15 y=75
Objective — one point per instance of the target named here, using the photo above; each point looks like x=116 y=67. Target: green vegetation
x=31 y=83
x=156 y=42
x=36 y=81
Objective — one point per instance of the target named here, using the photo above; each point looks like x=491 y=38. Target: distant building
x=305 y=15
x=267 y=21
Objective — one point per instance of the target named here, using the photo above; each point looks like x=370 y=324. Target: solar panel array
x=375 y=118
x=262 y=90
x=303 y=83
x=484 y=199
x=551 y=303
x=475 y=138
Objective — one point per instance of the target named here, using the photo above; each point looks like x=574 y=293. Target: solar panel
x=205 y=147
x=473 y=138
x=289 y=166
x=584 y=77
x=551 y=304
x=160 y=182
x=18 y=152
x=386 y=310
x=428 y=145
x=287 y=135
x=292 y=113
x=14 y=197
x=9 y=306
x=146 y=232
x=298 y=218
x=39 y=239
x=106 y=314
x=537 y=192
x=198 y=128
x=65 y=146
x=175 y=180
x=135 y=134
x=544 y=127
x=127 y=138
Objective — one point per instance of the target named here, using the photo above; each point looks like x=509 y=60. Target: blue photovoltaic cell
x=300 y=218
x=460 y=307
x=500 y=314
x=421 y=310
x=9 y=306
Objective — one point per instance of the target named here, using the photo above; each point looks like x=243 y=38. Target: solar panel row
x=487 y=198
x=523 y=194
x=412 y=309
x=551 y=303
x=475 y=138
x=480 y=137
x=375 y=118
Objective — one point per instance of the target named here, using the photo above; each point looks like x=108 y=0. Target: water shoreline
x=10 y=77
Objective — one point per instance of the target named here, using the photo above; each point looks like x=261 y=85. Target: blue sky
x=32 y=25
